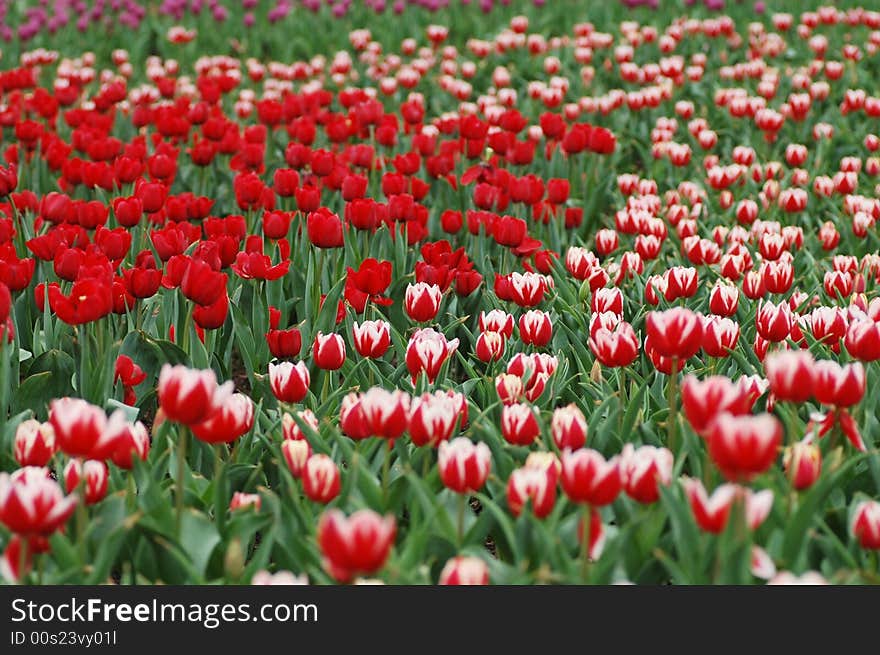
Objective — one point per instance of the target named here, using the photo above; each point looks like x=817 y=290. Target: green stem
x=22 y=559
x=462 y=506
x=81 y=513
x=182 y=435
x=132 y=490
x=325 y=386
x=585 y=546
x=386 y=469
x=672 y=401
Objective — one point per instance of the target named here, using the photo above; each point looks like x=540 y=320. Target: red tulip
x=284 y=343
x=533 y=485
x=839 y=386
x=703 y=400
x=227 y=422
x=463 y=465
x=202 y=284
x=675 y=333
x=328 y=351
x=569 y=427
x=519 y=425
x=865 y=525
x=79 y=426
x=422 y=301
x=588 y=478
x=8 y=180
x=289 y=382
x=32 y=504
x=34 y=443
x=643 y=470
x=710 y=512
x=320 y=479
x=358 y=544
x=744 y=446
x=257 y=266
x=427 y=351
x=190 y=396
x=489 y=346
x=296 y=453
x=371 y=338
x=862 y=339
x=89 y=299
x=96 y=475
x=324 y=228
x=535 y=328
x=509 y=231
x=803 y=464
x=791 y=374
x=464 y=570
x=615 y=347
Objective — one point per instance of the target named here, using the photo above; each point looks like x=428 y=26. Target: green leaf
x=198 y=538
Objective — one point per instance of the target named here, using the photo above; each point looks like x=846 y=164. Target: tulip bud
x=519 y=424
x=187 y=395
x=328 y=351
x=422 y=301
x=865 y=524
x=465 y=571
x=296 y=453
x=371 y=338
x=242 y=501
x=535 y=328
x=96 y=476
x=320 y=479
x=803 y=464
x=291 y=429
x=644 y=470
x=289 y=382
x=569 y=427
x=534 y=485
x=34 y=443
x=490 y=346
x=358 y=544
x=463 y=465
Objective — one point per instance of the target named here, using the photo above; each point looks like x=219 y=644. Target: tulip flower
x=644 y=470
x=328 y=351
x=32 y=504
x=464 y=571
x=357 y=544
x=865 y=525
x=289 y=382
x=189 y=396
x=320 y=479
x=95 y=474
x=744 y=446
x=34 y=443
x=533 y=485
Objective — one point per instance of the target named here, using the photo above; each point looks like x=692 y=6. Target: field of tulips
x=508 y=293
